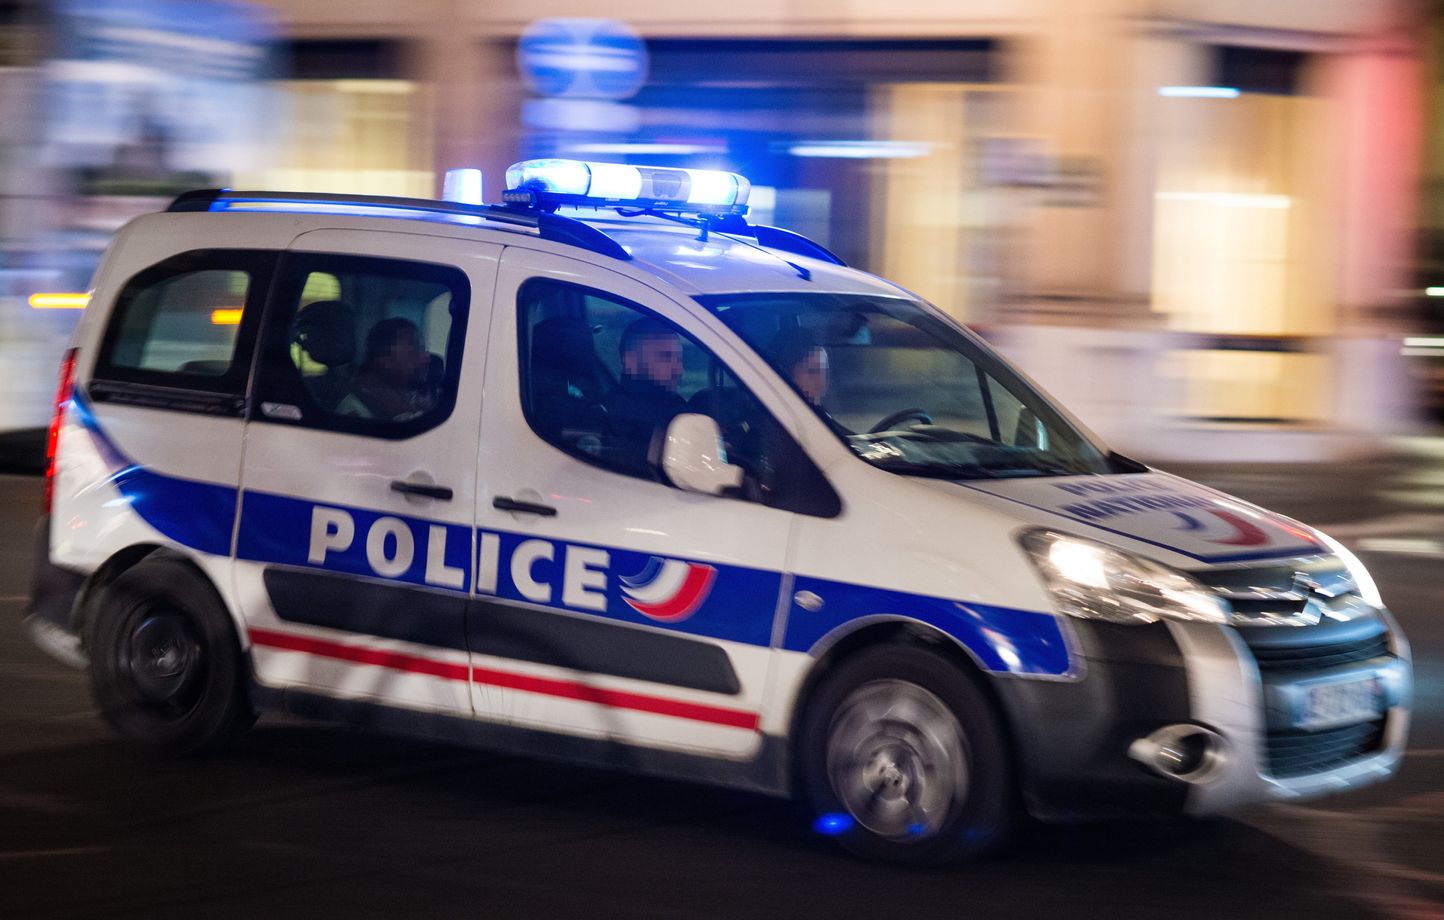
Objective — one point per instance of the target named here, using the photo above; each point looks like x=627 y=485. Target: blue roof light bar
x=556 y=182
x=549 y=226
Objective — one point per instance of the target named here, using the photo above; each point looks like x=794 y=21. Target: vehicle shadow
x=318 y=819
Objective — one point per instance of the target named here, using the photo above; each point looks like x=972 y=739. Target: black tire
x=862 y=758
x=165 y=666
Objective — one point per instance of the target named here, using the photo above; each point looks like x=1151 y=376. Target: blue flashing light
x=561 y=177
x=1199 y=92
x=712 y=187
x=833 y=823
x=612 y=181
x=578 y=182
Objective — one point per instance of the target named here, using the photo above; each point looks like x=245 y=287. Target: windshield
x=905 y=389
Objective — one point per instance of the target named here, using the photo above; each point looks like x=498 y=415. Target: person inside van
x=799 y=355
x=646 y=400
x=394 y=381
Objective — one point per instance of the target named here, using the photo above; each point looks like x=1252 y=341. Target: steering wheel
x=903 y=415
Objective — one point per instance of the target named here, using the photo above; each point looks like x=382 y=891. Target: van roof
x=731 y=257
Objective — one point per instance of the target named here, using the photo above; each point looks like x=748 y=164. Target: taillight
x=62 y=396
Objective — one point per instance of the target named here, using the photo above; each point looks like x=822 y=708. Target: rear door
x=355 y=539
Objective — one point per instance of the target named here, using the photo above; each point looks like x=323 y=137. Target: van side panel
x=156 y=465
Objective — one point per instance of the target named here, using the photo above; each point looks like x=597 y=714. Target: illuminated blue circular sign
x=582 y=58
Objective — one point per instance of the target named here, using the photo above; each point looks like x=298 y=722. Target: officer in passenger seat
x=394 y=383
x=646 y=400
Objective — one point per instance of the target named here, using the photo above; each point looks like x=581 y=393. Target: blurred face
x=406 y=362
x=657 y=358
x=810 y=375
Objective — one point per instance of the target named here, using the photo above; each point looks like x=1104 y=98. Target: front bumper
x=1256 y=708
x=1076 y=741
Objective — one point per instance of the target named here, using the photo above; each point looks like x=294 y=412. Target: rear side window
x=188 y=322
x=364 y=345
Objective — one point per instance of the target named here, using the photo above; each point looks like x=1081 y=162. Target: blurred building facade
x=1190 y=219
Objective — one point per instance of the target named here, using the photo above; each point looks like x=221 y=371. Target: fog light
x=1190 y=753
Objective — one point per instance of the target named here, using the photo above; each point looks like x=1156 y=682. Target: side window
x=602 y=378
x=364 y=345
x=188 y=322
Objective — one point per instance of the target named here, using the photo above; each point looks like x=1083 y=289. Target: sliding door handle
x=440 y=493
x=502 y=503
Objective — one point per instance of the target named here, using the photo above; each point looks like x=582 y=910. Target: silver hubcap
x=896 y=759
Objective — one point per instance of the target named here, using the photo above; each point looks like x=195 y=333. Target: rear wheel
x=904 y=758
x=166 y=668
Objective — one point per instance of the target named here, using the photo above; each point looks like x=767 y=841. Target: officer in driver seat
x=646 y=400
x=798 y=353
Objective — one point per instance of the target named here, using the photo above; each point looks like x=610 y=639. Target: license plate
x=1344 y=702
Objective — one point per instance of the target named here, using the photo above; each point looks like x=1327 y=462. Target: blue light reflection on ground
x=833 y=823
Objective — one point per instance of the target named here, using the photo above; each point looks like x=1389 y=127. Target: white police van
x=661 y=489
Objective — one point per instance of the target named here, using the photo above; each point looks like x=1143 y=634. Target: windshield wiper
x=935 y=470
x=1038 y=464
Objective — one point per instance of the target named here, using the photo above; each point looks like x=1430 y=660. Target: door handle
x=502 y=503
x=441 y=493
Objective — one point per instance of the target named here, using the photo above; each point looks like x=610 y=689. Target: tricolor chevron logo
x=668 y=589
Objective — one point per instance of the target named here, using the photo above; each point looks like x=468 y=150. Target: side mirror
x=693 y=457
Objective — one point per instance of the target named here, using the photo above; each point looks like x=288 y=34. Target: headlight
x=1363 y=581
x=1096 y=582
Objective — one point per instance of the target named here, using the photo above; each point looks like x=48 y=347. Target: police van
x=608 y=473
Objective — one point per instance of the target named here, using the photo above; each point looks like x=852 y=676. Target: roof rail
x=796 y=243
x=551 y=227
x=776 y=238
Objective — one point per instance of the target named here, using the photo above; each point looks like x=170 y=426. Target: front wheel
x=166 y=669
x=905 y=760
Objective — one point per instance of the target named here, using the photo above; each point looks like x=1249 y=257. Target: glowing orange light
x=227 y=317
x=59 y=301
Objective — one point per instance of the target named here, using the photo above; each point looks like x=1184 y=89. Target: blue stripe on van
x=200 y=515
x=277 y=529
x=739 y=607
x=1000 y=638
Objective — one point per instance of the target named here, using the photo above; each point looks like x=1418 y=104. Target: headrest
x=326 y=330
x=564 y=343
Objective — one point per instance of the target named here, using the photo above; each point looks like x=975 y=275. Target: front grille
x=1295 y=593
x=1300 y=618
x=1298 y=753
x=1296 y=659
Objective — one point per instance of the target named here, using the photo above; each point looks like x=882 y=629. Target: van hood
x=1163 y=511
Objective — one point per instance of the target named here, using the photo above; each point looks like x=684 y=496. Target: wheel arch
x=124 y=560
x=851 y=638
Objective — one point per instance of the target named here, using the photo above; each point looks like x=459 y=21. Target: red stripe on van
x=397 y=661
x=545 y=686
x=617 y=699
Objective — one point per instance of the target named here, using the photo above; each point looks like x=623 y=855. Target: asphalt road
x=313 y=820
